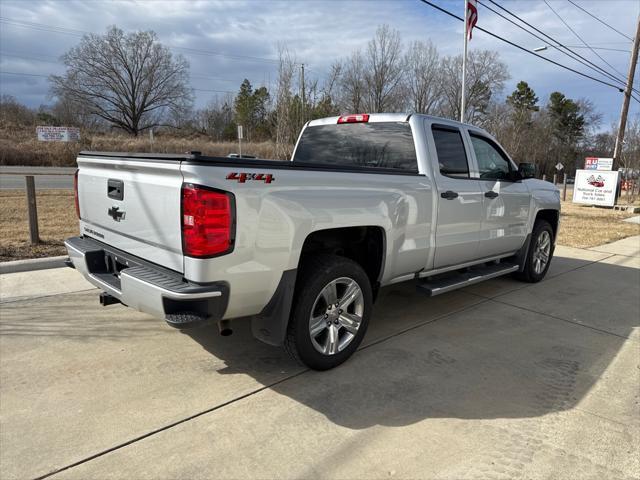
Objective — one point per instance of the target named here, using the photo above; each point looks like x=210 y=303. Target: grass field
x=583 y=226
x=56 y=218
x=580 y=226
x=19 y=146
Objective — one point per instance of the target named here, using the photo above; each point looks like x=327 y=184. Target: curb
x=33 y=264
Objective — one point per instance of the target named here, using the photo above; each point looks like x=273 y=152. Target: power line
x=25 y=57
x=523 y=48
x=571 y=54
x=608 y=74
x=4 y=72
x=600 y=20
x=601 y=48
x=80 y=33
x=580 y=38
x=42 y=58
x=214 y=91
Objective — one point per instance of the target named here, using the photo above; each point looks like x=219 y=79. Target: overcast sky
x=33 y=35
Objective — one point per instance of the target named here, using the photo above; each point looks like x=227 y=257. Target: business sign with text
x=58 y=134
x=597 y=163
x=595 y=187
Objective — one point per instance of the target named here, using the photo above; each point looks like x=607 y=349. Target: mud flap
x=270 y=325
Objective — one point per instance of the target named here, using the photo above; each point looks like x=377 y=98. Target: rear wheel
x=331 y=312
x=540 y=253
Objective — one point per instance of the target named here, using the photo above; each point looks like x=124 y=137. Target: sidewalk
x=500 y=380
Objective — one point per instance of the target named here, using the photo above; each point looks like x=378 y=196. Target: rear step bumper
x=147 y=287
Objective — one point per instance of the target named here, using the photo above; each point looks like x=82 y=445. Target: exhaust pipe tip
x=224 y=327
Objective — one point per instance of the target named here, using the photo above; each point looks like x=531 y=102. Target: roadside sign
x=598 y=163
x=240 y=135
x=595 y=188
x=57 y=134
x=559 y=166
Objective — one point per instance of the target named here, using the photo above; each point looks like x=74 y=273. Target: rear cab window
x=452 y=157
x=384 y=145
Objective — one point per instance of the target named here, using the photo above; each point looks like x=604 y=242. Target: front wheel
x=331 y=311
x=540 y=253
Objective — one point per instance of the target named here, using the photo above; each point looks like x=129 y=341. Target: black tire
x=315 y=274
x=528 y=274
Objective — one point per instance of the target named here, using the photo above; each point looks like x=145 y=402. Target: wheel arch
x=366 y=245
x=550 y=215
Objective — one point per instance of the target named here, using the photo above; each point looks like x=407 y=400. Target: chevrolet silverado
x=300 y=248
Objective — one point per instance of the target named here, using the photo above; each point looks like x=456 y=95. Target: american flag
x=472 y=16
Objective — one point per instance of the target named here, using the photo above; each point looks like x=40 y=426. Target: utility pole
x=304 y=101
x=617 y=151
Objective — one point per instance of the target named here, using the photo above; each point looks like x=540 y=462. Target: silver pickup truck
x=300 y=248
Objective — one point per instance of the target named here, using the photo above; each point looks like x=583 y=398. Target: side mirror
x=527 y=170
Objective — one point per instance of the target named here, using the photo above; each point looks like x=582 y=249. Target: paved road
x=13 y=177
x=500 y=380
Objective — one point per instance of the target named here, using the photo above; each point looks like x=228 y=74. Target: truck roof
x=390 y=117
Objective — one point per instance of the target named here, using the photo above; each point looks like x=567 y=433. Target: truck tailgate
x=133 y=205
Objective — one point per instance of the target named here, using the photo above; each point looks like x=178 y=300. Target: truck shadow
x=498 y=350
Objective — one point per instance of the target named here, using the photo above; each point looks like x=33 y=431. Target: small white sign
x=240 y=136
x=597 y=163
x=595 y=187
x=559 y=166
x=58 y=134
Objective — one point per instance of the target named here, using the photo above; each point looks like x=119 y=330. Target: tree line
x=132 y=83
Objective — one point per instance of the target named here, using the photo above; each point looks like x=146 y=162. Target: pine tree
x=523 y=98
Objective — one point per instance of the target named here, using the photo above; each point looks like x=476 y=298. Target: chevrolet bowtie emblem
x=114 y=213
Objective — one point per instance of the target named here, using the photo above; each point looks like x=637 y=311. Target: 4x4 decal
x=243 y=177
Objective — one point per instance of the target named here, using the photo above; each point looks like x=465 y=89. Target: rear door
x=133 y=205
x=506 y=202
x=459 y=199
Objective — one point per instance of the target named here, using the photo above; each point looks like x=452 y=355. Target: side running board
x=452 y=281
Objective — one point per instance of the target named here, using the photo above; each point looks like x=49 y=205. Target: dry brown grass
x=19 y=146
x=583 y=226
x=56 y=218
x=580 y=226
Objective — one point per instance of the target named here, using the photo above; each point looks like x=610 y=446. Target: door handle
x=491 y=194
x=449 y=195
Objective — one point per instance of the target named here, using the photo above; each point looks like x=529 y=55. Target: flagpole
x=464 y=59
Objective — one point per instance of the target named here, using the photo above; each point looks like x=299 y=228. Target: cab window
x=492 y=163
x=452 y=158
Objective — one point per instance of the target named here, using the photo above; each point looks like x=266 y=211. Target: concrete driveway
x=500 y=380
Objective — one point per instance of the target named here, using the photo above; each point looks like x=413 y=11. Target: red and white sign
x=58 y=134
x=597 y=163
x=595 y=187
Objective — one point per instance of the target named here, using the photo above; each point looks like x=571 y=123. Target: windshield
x=377 y=145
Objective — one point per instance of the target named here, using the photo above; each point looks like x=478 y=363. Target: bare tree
x=129 y=80
x=423 y=80
x=630 y=158
x=72 y=113
x=13 y=112
x=384 y=71
x=285 y=114
x=486 y=75
x=352 y=83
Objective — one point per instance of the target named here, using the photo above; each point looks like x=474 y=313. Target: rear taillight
x=360 y=118
x=207 y=221
x=75 y=193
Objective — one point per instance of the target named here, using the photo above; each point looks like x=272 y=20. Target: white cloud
x=318 y=32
